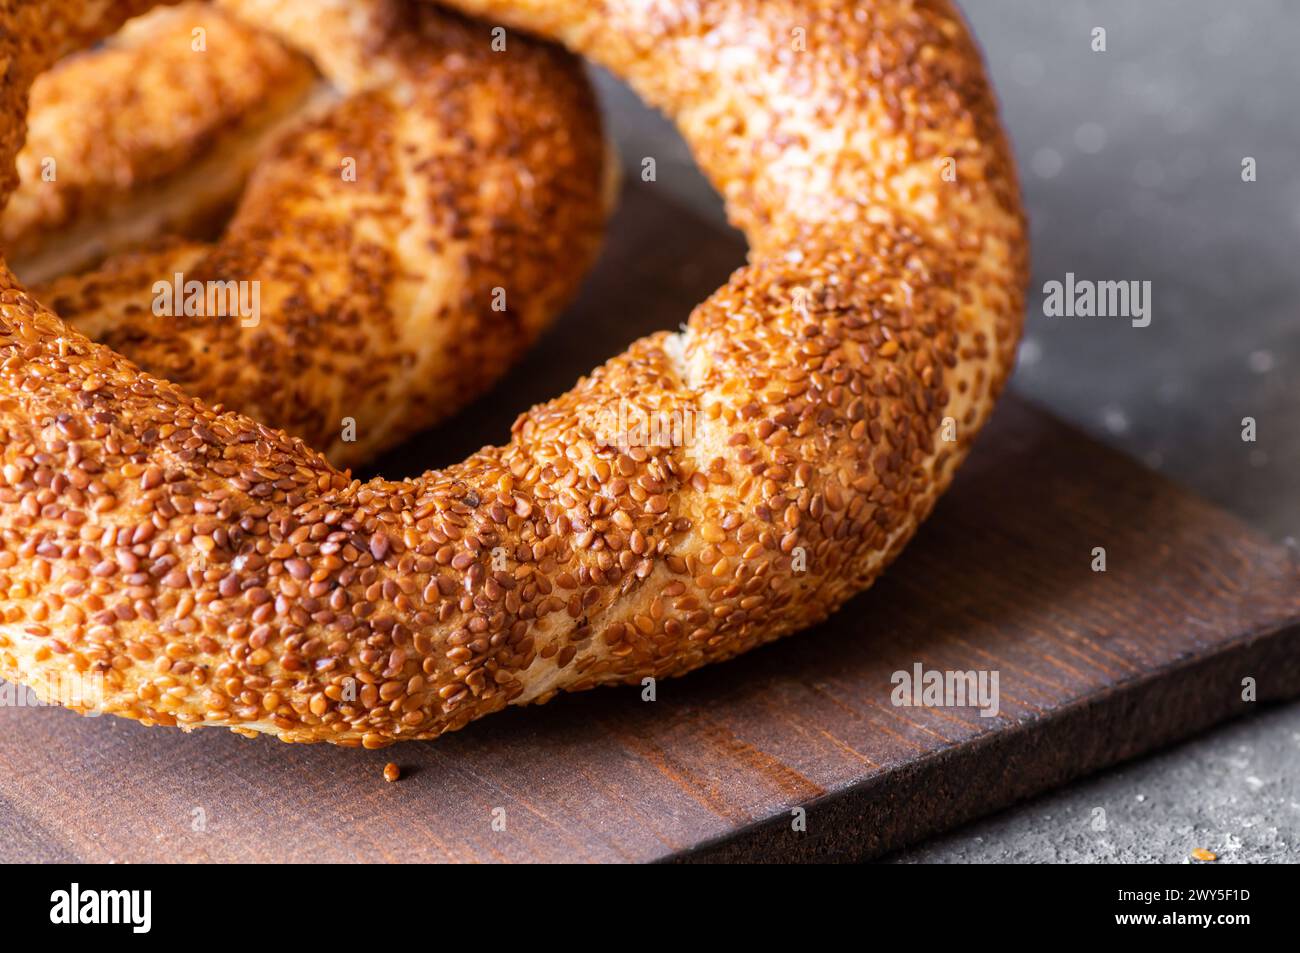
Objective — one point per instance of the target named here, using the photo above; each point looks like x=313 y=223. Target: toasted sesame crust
x=414 y=222
x=219 y=572
x=145 y=135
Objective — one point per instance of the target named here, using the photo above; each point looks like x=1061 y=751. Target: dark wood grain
x=1094 y=668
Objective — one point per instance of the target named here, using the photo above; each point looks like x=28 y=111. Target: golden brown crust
x=813 y=396
x=405 y=244
x=145 y=135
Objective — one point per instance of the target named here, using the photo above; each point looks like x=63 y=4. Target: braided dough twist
x=220 y=573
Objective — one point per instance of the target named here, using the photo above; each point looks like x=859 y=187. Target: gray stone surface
x=1131 y=161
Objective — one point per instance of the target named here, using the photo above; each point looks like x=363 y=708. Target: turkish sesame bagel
x=214 y=571
x=413 y=218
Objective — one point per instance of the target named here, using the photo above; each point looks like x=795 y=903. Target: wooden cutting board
x=1093 y=668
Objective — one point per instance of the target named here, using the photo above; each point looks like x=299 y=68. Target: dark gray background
x=1131 y=166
